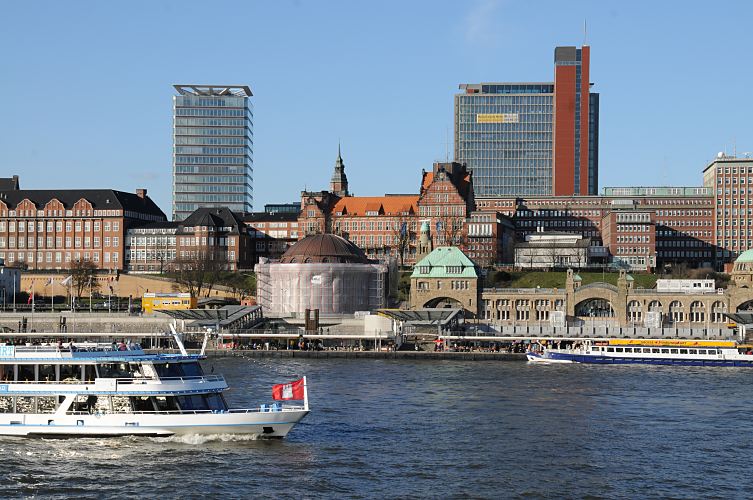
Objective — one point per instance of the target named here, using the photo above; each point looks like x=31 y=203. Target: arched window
x=697 y=312
x=634 y=311
x=654 y=306
x=718 y=309
x=522 y=312
x=676 y=312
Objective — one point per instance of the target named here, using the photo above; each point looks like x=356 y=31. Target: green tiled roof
x=746 y=256
x=436 y=264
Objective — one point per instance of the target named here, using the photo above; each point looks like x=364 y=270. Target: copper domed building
x=324 y=272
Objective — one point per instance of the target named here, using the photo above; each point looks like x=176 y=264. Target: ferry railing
x=131 y=380
x=259 y=409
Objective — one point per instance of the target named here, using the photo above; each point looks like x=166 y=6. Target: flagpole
x=52 y=306
x=305 y=395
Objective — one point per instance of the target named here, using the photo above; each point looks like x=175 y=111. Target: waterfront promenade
x=347 y=354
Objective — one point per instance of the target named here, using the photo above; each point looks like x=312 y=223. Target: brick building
x=215 y=237
x=681 y=223
x=731 y=181
x=388 y=225
x=50 y=229
x=272 y=233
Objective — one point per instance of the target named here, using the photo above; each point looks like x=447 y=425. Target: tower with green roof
x=446 y=277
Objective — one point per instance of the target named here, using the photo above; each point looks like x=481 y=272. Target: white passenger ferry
x=116 y=390
x=644 y=351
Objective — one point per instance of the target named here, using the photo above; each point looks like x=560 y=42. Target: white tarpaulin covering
x=332 y=288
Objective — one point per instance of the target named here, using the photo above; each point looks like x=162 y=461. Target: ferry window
x=712 y=351
x=165 y=403
x=25 y=404
x=628 y=349
x=191 y=369
x=701 y=351
x=141 y=403
x=6 y=404
x=683 y=351
x=26 y=373
x=692 y=351
x=188 y=403
x=168 y=370
x=46 y=373
x=665 y=351
x=84 y=404
x=610 y=349
x=654 y=350
x=673 y=351
x=618 y=349
x=90 y=373
x=115 y=370
x=46 y=404
x=6 y=373
x=216 y=402
x=70 y=373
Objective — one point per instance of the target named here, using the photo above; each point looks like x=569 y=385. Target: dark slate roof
x=9 y=183
x=265 y=217
x=324 y=248
x=213 y=217
x=101 y=199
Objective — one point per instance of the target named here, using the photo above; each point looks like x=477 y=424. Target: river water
x=384 y=428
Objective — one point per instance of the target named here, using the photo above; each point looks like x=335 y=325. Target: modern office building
x=731 y=179
x=212 y=148
x=532 y=139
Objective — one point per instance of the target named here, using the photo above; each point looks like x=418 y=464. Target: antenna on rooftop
x=447 y=144
x=585 y=33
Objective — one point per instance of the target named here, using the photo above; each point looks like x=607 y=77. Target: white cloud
x=480 y=24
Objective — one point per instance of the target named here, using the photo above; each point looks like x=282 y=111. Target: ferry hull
x=258 y=424
x=608 y=360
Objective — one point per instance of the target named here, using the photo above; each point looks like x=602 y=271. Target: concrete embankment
x=456 y=356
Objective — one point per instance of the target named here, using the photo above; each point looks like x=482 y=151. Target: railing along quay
x=346 y=354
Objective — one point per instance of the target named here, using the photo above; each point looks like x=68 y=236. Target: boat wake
x=195 y=439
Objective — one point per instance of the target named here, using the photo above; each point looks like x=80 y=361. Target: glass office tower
x=532 y=139
x=503 y=132
x=212 y=148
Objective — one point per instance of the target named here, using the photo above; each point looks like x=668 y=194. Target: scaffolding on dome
x=333 y=288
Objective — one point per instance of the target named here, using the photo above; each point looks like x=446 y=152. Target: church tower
x=338 y=185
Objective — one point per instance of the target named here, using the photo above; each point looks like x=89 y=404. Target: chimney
x=141 y=193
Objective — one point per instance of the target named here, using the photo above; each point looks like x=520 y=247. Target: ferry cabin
x=41 y=379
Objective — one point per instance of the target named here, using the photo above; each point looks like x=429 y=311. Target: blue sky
x=87 y=86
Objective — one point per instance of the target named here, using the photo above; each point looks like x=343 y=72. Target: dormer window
x=454 y=269
x=424 y=269
x=372 y=213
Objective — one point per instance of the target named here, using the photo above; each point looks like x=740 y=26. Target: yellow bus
x=151 y=302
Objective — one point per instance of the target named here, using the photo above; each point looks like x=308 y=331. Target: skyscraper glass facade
x=503 y=132
x=532 y=139
x=212 y=148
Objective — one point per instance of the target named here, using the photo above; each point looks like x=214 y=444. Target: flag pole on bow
x=305 y=395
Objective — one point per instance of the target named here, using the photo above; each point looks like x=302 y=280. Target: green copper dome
x=746 y=256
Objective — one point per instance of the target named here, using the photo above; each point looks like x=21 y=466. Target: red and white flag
x=291 y=390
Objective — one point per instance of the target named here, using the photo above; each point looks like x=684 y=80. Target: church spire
x=339 y=182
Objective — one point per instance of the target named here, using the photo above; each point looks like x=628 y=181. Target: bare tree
x=199 y=272
x=83 y=276
x=451 y=229
x=401 y=236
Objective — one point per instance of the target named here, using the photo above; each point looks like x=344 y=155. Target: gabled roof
x=386 y=205
x=213 y=217
x=436 y=263
x=9 y=183
x=101 y=199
